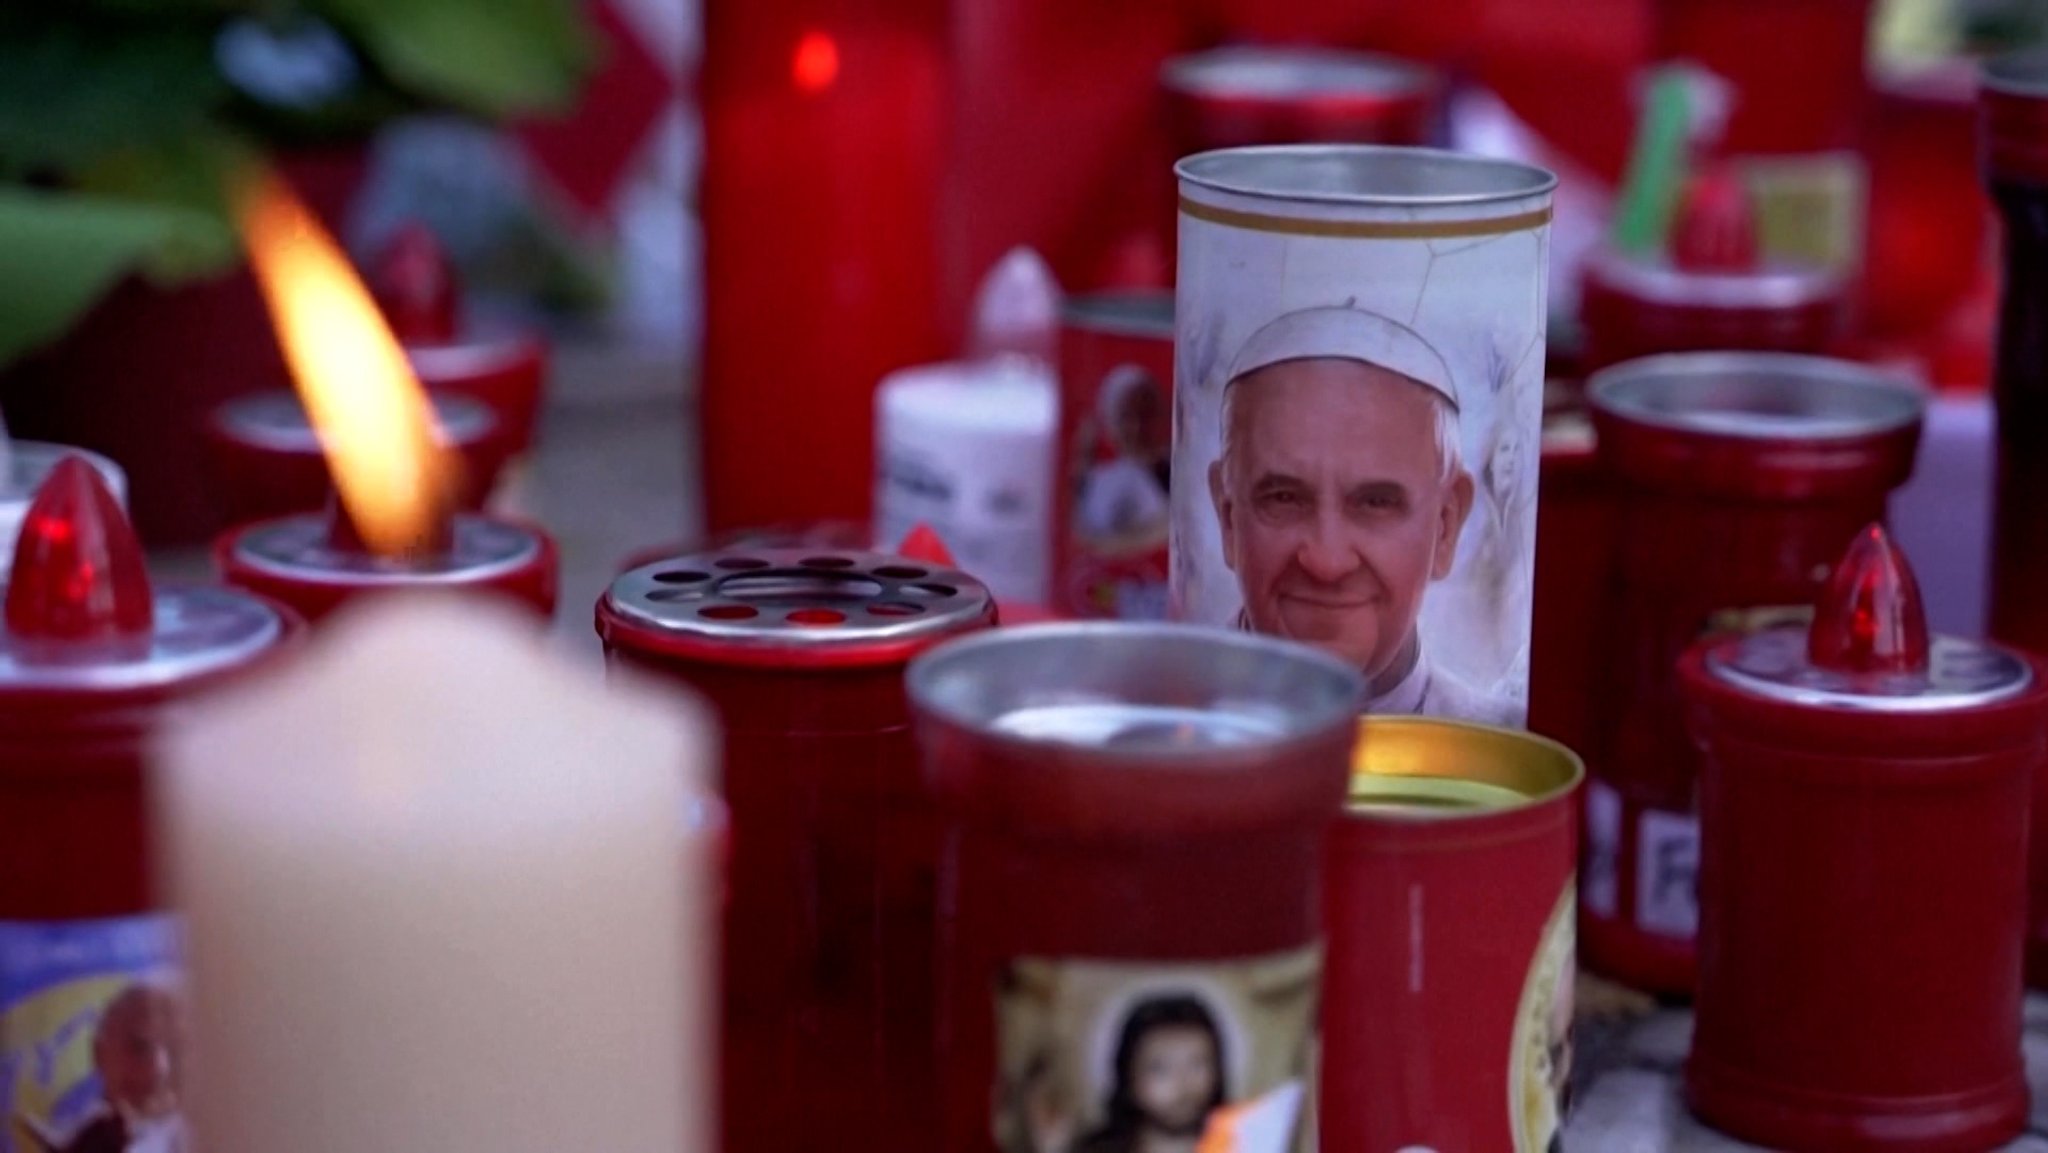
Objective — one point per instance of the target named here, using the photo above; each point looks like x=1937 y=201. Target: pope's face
x=1333 y=506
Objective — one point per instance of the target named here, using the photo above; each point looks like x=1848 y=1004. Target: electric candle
x=24 y=466
x=474 y=913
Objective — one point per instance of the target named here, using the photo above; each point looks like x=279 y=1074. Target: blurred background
x=725 y=224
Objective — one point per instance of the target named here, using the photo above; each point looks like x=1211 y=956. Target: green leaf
x=72 y=93
x=490 y=57
x=64 y=252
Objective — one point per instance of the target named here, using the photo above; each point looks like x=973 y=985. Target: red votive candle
x=421 y=298
x=315 y=562
x=1863 y=881
x=91 y=661
x=829 y=934
x=1134 y=818
x=1447 y=1011
x=1281 y=94
x=267 y=460
x=1714 y=291
x=1736 y=476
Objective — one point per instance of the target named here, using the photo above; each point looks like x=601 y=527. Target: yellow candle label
x=92 y=1029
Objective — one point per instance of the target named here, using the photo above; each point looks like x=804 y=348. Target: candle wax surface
x=470 y=873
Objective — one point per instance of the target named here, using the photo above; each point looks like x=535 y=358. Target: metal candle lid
x=277 y=421
x=1755 y=396
x=1121 y=313
x=1767 y=287
x=80 y=613
x=1289 y=75
x=304 y=547
x=779 y=605
x=1363 y=174
x=1869 y=649
x=1146 y=691
x=1427 y=768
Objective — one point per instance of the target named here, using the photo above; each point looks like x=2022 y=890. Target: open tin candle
x=1736 y=478
x=1134 y=820
x=1447 y=1003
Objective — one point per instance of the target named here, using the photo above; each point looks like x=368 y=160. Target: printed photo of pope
x=1340 y=492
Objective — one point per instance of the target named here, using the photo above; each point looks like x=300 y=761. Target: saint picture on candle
x=1358 y=406
x=137 y=1049
x=1116 y=1058
x=92 y=1037
x=1121 y=464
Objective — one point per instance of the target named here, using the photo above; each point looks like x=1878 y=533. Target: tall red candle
x=1863 y=885
x=1134 y=821
x=91 y=660
x=1736 y=478
x=828 y=938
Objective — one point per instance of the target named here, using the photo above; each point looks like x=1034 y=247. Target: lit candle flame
x=391 y=465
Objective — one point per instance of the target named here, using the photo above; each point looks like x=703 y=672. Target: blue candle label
x=1103 y=1057
x=92 y=1028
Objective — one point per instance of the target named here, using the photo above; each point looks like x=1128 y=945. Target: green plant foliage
x=494 y=57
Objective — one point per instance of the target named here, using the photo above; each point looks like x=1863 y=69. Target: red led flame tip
x=1715 y=230
x=78 y=571
x=414 y=284
x=922 y=543
x=1869 y=618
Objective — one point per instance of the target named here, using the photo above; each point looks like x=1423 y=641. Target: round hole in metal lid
x=900 y=572
x=799 y=584
x=740 y=562
x=729 y=612
x=680 y=576
x=816 y=617
x=931 y=589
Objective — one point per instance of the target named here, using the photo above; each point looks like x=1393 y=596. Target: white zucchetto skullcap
x=1346 y=334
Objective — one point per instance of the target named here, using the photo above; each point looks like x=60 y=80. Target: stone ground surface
x=1626 y=1093
x=612 y=475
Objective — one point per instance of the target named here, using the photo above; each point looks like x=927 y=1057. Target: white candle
x=441 y=893
x=967 y=448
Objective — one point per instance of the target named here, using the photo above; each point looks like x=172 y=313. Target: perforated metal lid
x=197 y=631
x=299 y=547
x=787 y=601
x=277 y=420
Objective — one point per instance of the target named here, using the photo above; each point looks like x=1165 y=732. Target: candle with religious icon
x=1110 y=511
x=1358 y=396
x=1135 y=816
x=92 y=660
x=829 y=937
x=1736 y=476
x=441 y=889
x=1864 y=796
x=1447 y=995
x=24 y=466
x=268 y=462
x=394 y=523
